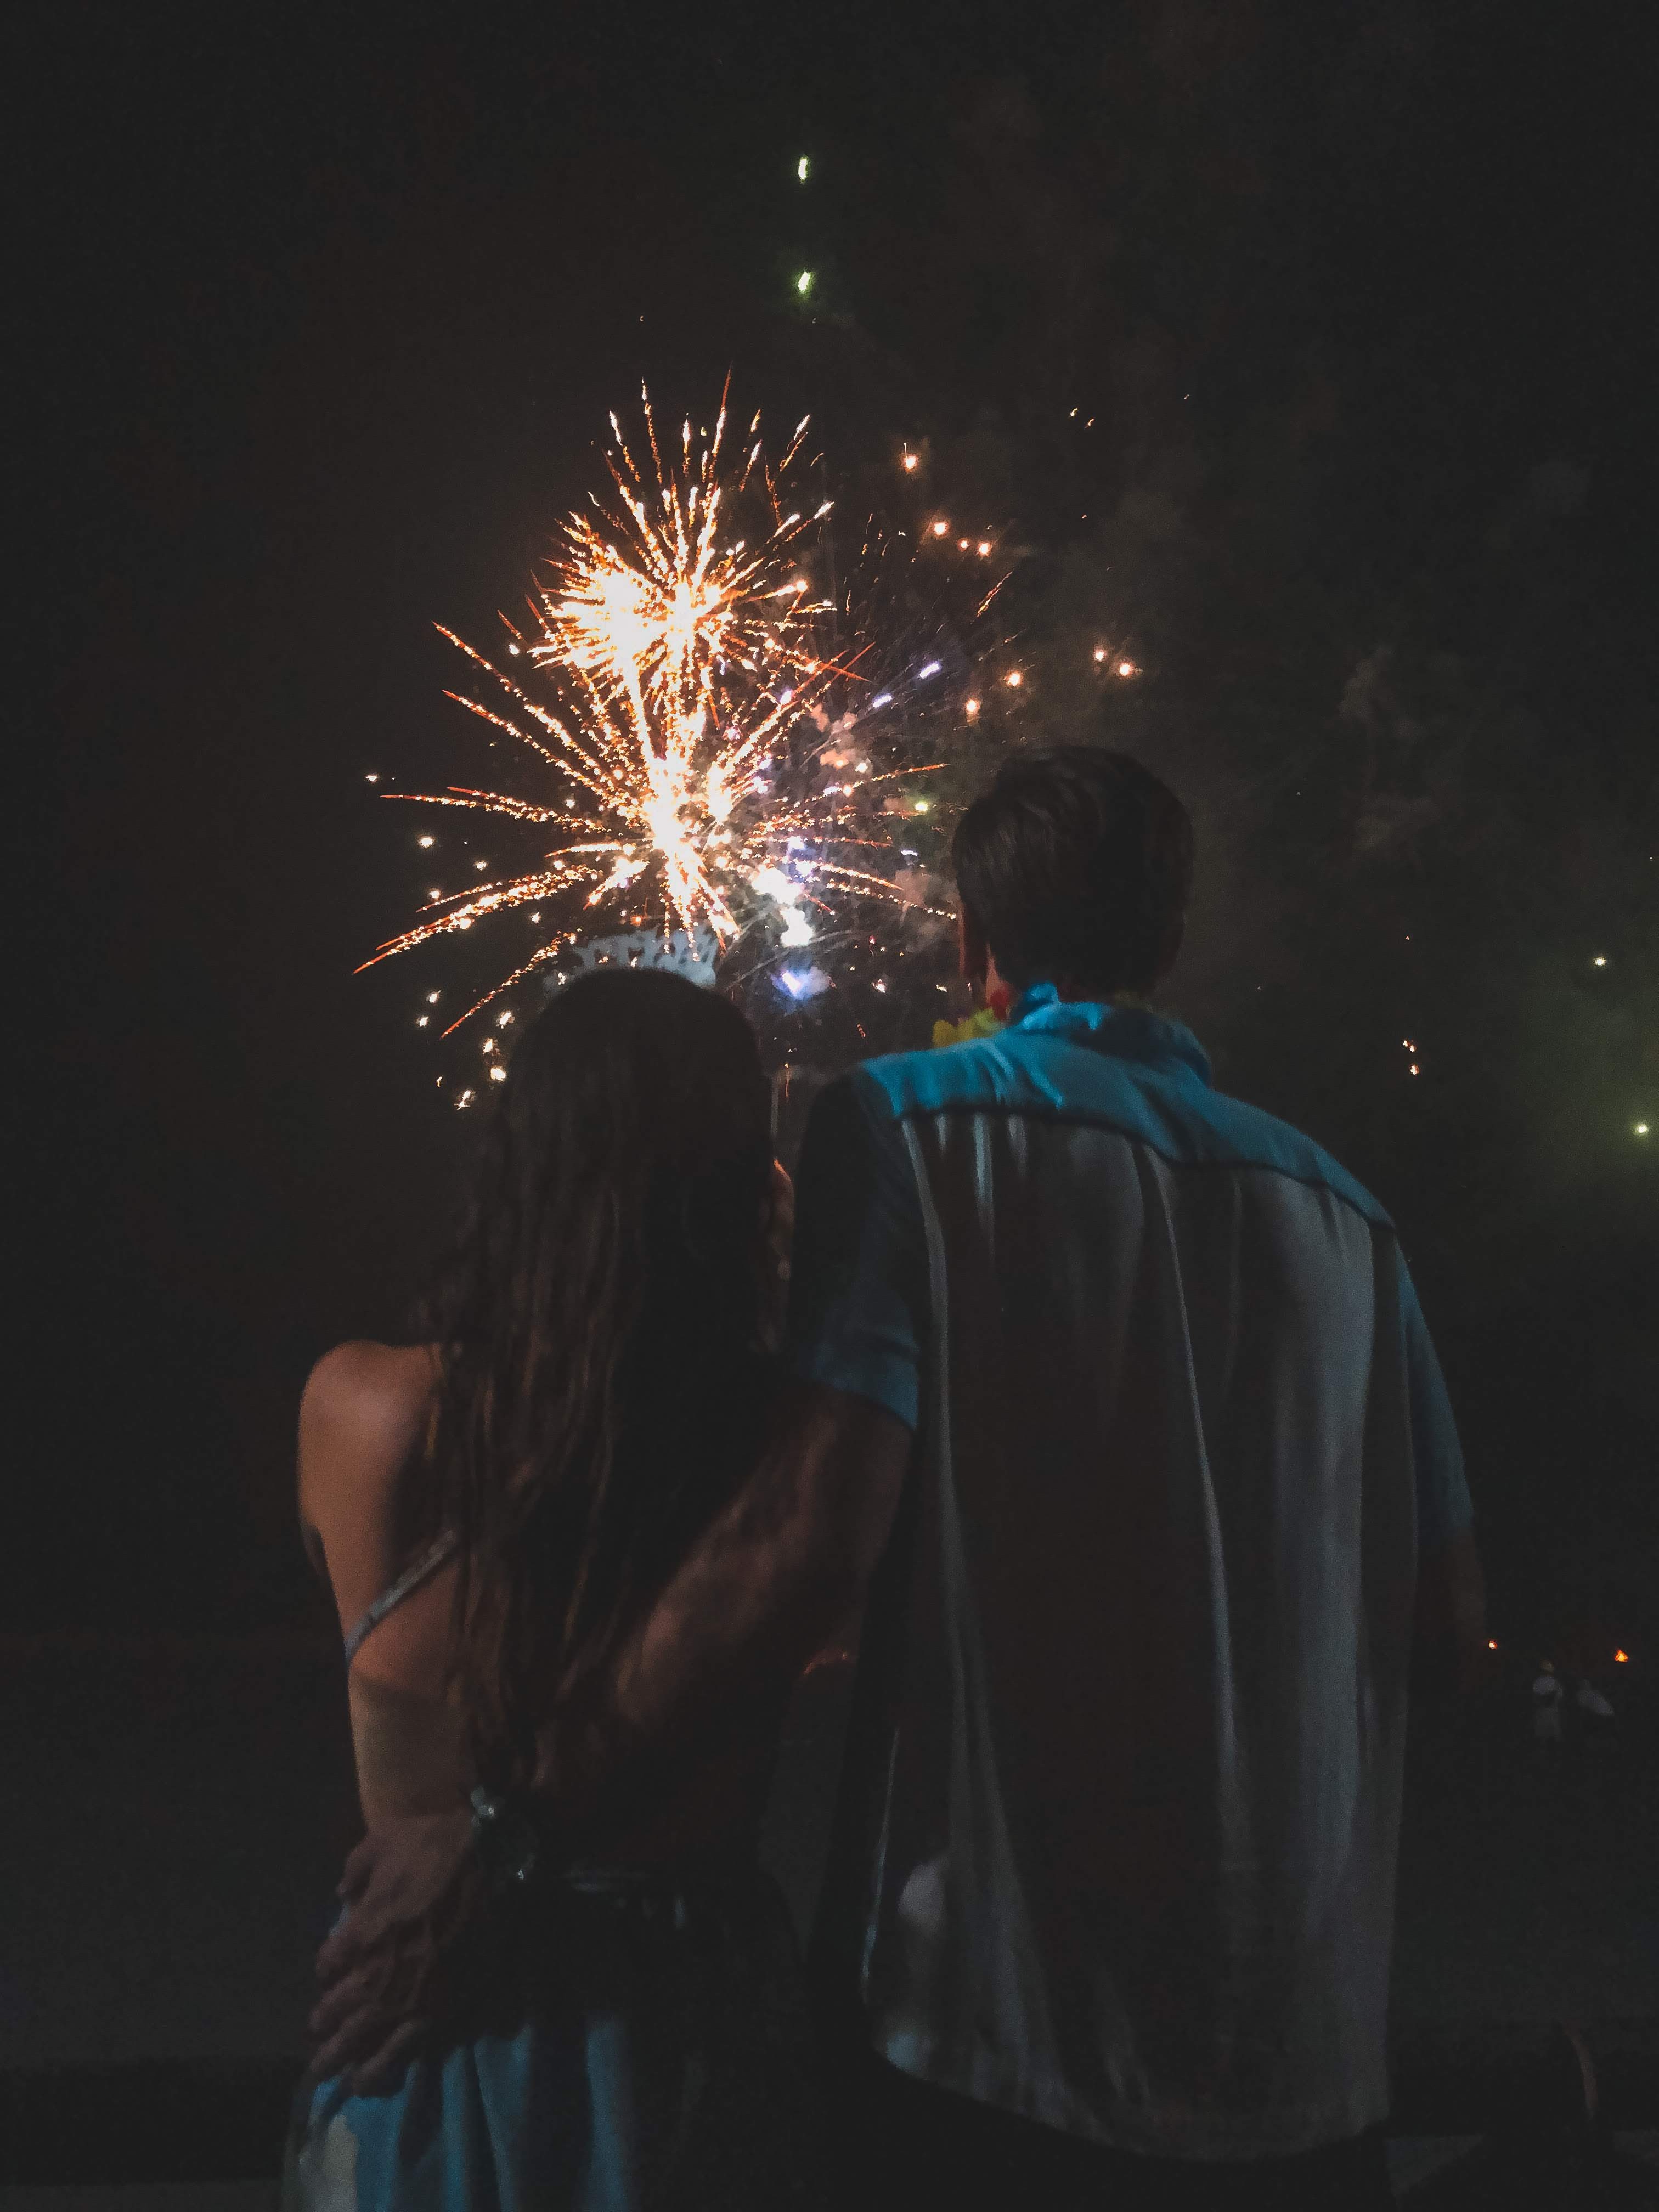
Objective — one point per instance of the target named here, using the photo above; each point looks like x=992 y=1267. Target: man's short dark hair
x=1076 y=866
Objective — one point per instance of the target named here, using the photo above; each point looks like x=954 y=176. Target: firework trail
x=676 y=692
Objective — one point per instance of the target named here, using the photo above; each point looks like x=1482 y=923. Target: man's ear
x=971 y=940
x=1170 y=947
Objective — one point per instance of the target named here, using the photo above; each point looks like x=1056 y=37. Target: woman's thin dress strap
x=409 y=1581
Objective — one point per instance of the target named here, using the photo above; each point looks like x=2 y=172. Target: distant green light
x=801 y=168
x=803 y=282
x=1641 y=1129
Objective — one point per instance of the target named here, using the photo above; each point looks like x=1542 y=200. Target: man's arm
x=767 y=1583
x=1450 y=1658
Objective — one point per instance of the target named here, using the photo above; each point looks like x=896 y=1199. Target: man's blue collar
x=1126 y=1032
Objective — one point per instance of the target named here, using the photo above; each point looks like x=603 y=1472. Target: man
x=1115 y=1400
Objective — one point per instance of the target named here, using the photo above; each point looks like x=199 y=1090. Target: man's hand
x=414 y=1944
x=1450 y=1659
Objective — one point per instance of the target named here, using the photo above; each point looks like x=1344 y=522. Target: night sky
x=324 y=317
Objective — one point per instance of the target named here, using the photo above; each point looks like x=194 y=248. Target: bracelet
x=507 y=1839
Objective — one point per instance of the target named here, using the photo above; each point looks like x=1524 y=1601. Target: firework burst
x=676 y=681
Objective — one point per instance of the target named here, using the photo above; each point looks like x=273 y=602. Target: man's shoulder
x=939 y=1078
x=1182 y=1120
x=1253 y=1137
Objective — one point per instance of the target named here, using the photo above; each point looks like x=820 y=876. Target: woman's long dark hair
x=600 y=1391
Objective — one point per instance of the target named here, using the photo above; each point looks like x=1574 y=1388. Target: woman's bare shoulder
x=360 y=1381
x=364 y=1409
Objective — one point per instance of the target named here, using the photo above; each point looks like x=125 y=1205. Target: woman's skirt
x=657 y=2056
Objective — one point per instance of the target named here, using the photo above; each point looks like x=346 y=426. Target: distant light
x=421 y=1020
x=513 y=650
x=909 y=461
x=1492 y=1644
x=928 y=668
x=489 y=1045
x=1014 y=679
x=537 y=915
x=501 y=1020
x=1641 y=1129
x=970 y=707
x=924 y=806
x=880 y=983
x=481 y=864
x=1600 y=961
x=433 y=997
x=803 y=282
x=786 y=695
x=962 y=544
x=1126 y=668
x=371 y=779
x=423 y=842
x=802 y=166
x=1414 y=1067
x=1100 y=652
x=985 y=549
x=882 y=699
x=940 y=529
x=434 y=892
x=1622 y=1658
x=825 y=509
x=498 y=1075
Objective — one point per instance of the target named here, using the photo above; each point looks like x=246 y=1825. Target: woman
x=495 y=1511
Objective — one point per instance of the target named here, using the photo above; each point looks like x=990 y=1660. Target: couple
x=1104 y=1400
